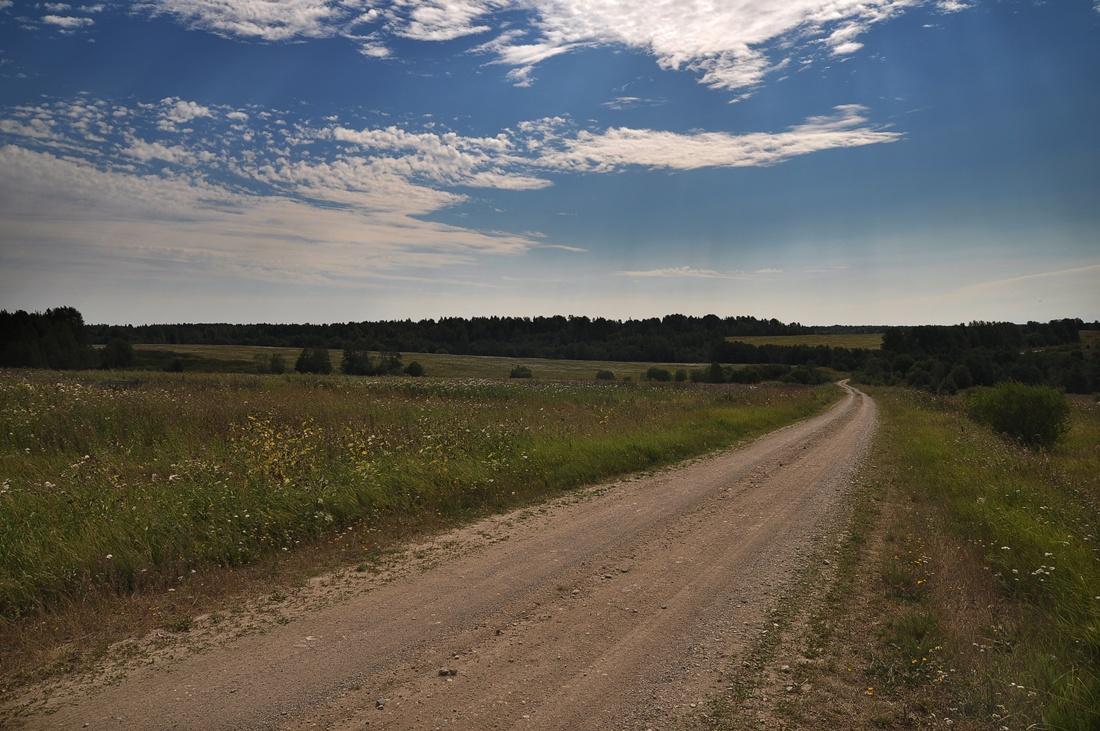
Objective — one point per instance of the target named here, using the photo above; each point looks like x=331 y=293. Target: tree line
x=673 y=338
x=932 y=357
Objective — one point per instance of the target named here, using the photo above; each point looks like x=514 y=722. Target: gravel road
x=619 y=610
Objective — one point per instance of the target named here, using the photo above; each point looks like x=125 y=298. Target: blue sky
x=854 y=161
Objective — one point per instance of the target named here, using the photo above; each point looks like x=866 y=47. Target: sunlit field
x=870 y=341
x=244 y=358
x=125 y=480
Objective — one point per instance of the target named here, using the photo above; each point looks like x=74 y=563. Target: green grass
x=242 y=359
x=123 y=481
x=1029 y=519
x=870 y=341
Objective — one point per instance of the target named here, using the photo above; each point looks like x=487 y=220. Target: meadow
x=122 y=481
x=868 y=341
x=995 y=565
x=244 y=358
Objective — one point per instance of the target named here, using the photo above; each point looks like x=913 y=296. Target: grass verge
x=968 y=594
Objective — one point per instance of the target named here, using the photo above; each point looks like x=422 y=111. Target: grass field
x=994 y=566
x=870 y=341
x=124 y=481
x=1090 y=339
x=243 y=359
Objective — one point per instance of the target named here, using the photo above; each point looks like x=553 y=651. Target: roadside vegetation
x=125 y=481
x=966 y=591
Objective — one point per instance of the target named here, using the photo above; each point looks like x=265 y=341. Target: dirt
x=622 y=608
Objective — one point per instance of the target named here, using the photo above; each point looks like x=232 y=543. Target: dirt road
x=615 y=611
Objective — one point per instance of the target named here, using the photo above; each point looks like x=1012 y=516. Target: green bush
x=605 y=376
x=521 y=372
x=414 y=369
x=1035 y=415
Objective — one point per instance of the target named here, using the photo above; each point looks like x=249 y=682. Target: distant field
x=242 y=358
x=1090 y=339
x=869 y=341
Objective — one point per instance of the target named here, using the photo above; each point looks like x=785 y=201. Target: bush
x=681 y=375
x=277 y=364
x=605 y=376
x=521 y=372
x=1035 y=415
x=313 y=360
x=175 y=365
x=414 y=369
x=657 y=374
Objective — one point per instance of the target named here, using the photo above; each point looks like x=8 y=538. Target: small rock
x=786 y=668
x=380 y=703
x=447 y=672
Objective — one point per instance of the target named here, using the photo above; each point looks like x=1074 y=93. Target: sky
x=819 y=161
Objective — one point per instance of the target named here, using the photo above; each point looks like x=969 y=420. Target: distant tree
x=653 y=373
x=118 y=354
x=521 y=371
x=715 y=374
x=357 y=362
x=605 y=376
x=414 y=369
x=277 y=364
x=681 y=375
x=389 y=363
x=56 y=338
x=314 y=360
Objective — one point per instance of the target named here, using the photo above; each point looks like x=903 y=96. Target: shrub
x=278 y=364
x=175 y=365
x=1035 y=415
x=414 y=369
x=313 y=360
x=357 y=362
x=521 y=372
x=681 y=375
x=605 y=376
x=657 y=374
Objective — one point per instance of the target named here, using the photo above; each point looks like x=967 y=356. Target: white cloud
x=619 y=147
x=266 y=195
x=179 y=111
x=269 y=20
x=67 y=22
x=953 y=6
x=145 y=151
x=728 y=45
x=5 y=4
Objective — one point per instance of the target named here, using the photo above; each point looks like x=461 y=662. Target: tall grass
x=109 y=483
x=1031 y=518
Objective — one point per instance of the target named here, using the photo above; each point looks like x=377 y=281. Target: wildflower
x=110 y=556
